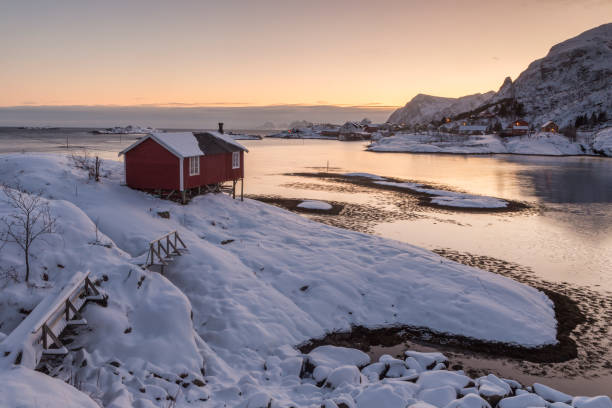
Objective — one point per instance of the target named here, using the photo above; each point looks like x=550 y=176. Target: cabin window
x=235 y=160
x=194 y=166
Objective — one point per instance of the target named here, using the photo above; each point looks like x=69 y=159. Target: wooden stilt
x=242 y=189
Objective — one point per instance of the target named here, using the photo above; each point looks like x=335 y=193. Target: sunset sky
x=254 y=53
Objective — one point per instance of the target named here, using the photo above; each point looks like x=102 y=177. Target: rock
x=164 y=214
x=493 y=389
x=413 y=363
x=433 y=379
x=592 y=402
x=333 y=357
x=440 y=396
x=513 y=384
x=348 y=374
x=522 y=401
x=550 y=394
x=397 y=369
x=374 y=371
x=321 y=373
x=427 y=360
x=469 y=401
x=419 y=404
x=380 y=395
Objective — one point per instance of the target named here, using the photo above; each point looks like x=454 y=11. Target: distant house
x=550 y=126
x=519 y=127
x=183 y=163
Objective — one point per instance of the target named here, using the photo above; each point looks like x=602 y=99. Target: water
x=568 y=239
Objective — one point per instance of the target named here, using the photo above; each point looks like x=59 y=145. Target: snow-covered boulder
x=333 y=357
x=490 y=387
x=315 y=205
x=522 y=401
x=469 y=401
x=550 y=394
x=439 y=396
x=383 y=395
x=592 y=402
x=426 y=360
x=348 y=374
x=433 y=379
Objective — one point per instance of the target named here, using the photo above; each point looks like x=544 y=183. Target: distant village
x=366 y=130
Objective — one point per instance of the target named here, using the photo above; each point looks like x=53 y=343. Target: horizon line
x=178 y=105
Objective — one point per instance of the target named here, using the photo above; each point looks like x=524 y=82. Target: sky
x=358 y=53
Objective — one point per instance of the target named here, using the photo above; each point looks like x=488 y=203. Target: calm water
x=570 y=240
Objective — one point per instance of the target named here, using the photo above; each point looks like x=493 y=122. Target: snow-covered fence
x=163 y=248
x=40 y=330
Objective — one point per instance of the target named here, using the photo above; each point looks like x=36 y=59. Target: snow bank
x=550 y=144
x=22 y=387
x=235 y=309
x=315 y=205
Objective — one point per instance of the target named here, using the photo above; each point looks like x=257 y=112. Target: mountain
x=425 y=108
x=573 y=79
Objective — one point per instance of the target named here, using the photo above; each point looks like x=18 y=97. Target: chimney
x=220 y=127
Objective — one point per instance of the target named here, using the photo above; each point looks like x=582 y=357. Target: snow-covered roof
x=183 y=144
x=520 y=127
x=550 y=122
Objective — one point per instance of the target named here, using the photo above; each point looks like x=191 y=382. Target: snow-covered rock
x=348 y=374
x=315 y=205
x=491 y=386
x=469 y=401
x=439 y=396
x=522 y=401
x=550 y=394
x=425 y=360
x=333 y=357
x=592 y=402
x=434 y=379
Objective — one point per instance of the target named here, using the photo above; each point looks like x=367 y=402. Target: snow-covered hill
x=256 y=281
x=425 y=108
x=573 y=79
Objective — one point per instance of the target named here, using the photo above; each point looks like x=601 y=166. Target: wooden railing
x=163 y=248
x=39 y=332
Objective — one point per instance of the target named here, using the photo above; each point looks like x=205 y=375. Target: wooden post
x=234 y=189
x=242 y=189
x=184 y=198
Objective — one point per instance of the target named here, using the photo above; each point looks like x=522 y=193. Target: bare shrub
x=31 y=219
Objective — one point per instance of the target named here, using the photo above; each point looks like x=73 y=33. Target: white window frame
x=235 y=160
x=194 y=166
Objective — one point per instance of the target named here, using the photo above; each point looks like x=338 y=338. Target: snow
x=550 y=394
x=315 y=205
x=22 y=387
x=366 y=175
x=450 y=198
x=333 y=357
x=183 y=144
x=550 y=144
x=592 y=402
x=522 y=401
x=230 y=315
x=603 y=142
x=228 y=139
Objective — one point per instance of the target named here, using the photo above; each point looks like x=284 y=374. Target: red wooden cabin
x=183 y=163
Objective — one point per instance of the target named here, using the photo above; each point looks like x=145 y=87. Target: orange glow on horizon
x=241 y=54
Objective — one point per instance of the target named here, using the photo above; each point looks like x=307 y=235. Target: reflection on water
x=570 y=240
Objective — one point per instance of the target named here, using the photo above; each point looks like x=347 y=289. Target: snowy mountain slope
x=574 y=78
x=282 y=280
x=425 y=108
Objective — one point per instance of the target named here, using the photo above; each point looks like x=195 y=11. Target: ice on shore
x=315 y=205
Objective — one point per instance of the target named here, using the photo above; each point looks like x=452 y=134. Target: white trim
x=235 y=163
x=181 y=173
x=194 y=166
